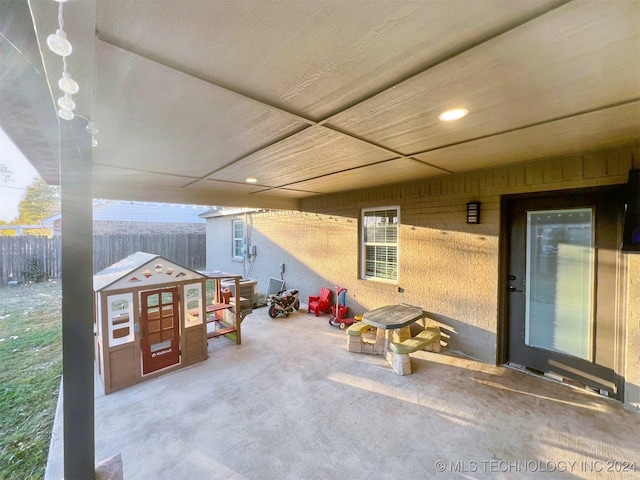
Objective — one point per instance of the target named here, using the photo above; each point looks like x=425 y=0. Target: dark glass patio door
x=562 y=287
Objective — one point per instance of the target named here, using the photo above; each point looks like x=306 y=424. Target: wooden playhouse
x=149 y=319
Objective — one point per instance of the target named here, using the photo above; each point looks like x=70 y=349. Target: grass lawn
x=30 y=371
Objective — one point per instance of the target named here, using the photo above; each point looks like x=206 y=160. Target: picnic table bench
x=393 y=336
x=429 y=338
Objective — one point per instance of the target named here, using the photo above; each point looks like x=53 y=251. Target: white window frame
x=114 y=324
x=193 y=316
x=236 y=253
x=365 y=243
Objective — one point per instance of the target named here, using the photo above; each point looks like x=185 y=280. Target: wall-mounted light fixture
x=473 y=212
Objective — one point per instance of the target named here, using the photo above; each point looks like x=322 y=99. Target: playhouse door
x=160 y=325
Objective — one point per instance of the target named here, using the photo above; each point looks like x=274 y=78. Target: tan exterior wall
x=446 y=266
x=632 y=371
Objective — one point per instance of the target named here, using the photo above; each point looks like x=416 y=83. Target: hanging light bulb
x=59 y=44
x=65 y=114
x=91 y=128
x=68 y=84
x=66 y=102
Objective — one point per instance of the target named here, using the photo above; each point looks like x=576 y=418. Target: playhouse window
x=120 y=319
x=193 y=305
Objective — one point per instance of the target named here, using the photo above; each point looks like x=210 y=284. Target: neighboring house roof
x=221 y=212
x=139 y=268
x=126 y=211
x=24 y=227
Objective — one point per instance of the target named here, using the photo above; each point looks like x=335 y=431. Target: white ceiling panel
x=290 y=193
x=107 y=174
x=173 y=122
x=393 y=171
x=571 y=60
x=216 y=193
x=314 y=152
x=235 y=188
x=311 y=57
x=191 y=97
x=597 y=130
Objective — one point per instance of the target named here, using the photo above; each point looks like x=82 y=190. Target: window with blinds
x=379 y=257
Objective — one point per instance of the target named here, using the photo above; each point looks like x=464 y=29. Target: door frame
x=616 y=193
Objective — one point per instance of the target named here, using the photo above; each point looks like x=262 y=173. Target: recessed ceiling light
x=454 y=114
x=251 y=180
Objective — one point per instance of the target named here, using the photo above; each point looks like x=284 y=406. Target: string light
x=59 y=44
x=65 y=114
x=91 y=128
x=68 y=84
x=66 y=102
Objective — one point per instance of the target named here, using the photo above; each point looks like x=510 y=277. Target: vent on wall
x=631 y=234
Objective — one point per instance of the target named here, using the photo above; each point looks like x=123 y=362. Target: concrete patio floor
x=292 y=403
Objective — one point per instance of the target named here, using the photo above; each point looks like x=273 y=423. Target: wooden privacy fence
x=35 y=258
x=189 y=250
x=29 y=258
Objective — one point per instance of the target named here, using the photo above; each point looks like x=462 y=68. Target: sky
x=11 y=192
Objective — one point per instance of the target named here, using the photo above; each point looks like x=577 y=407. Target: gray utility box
x=248 y=289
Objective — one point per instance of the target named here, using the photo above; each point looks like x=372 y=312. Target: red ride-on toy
x=339 y=312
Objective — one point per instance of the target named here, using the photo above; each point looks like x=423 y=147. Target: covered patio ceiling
x=313 y=97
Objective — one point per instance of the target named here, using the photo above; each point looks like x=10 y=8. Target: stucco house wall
x=446 y=266
x=632 y=355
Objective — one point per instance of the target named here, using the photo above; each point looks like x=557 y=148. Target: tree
x=40 y=201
